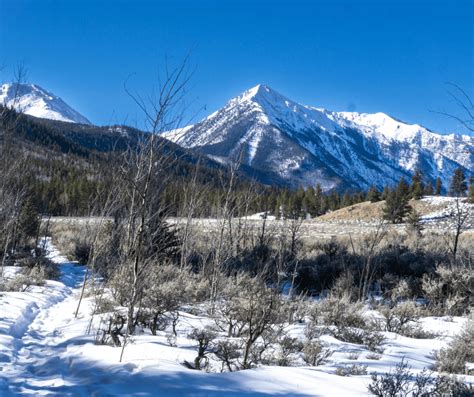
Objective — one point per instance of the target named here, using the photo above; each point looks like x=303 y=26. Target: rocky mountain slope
x=282 y=142
x=35 y=101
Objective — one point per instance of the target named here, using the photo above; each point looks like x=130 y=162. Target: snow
x=449 y=206
x=35 y=101
x=259 y=216
x=361 y=149
x=44 y=350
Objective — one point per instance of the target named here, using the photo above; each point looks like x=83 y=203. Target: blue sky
x=367 y=56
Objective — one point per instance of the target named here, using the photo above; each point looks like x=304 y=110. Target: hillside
x=430 y=208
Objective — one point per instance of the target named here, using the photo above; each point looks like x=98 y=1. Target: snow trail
x=37 y=340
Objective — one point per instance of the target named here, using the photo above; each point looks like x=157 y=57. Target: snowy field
x=45 y=351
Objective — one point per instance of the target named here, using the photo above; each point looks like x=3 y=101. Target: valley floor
x=45 y=351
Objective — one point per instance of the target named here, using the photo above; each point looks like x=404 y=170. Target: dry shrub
x=351 y=370
x=453 y=359
x=315 y=353
x=401 y=317
x=401 y=382
x=449 y=290
x=345 y=321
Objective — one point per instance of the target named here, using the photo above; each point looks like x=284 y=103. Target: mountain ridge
x=33 y=100
x=303 y=145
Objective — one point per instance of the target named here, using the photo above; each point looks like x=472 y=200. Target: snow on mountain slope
x=35 y=101
x=296 y=145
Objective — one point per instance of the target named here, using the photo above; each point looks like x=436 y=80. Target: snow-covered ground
x=44 y=350
x=449 y=207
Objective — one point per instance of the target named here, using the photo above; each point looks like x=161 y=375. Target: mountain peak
x=285 y=142
x=35 y=101
x=259 y=94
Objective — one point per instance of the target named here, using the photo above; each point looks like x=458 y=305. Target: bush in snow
x=286 y=348
x=314 y=353
x=164 y=293
x=111 y=330
x=400 y=382
x=253 y=312
x=401 y=317
x=204 y=338
x=449 y=290
x=351 y=370
x=36 y=271
x=228 y=352
x=453 y=359
x=345 y=321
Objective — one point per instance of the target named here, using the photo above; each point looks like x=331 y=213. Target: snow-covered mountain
x=283 y=142
x=35 y=101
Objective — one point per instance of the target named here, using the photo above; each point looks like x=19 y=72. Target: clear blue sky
x=368 y=56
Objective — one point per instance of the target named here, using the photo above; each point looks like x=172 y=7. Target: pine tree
x=29 y=221
x=428 y=189
x=414 y=222
x=417 y=185
x=396 y=204
x=439 y=186
x=385 y=193
x=458 y=183
x=373 y=195
x=346 y=199
x=471 y=189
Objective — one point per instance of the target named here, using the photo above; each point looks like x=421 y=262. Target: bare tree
x=147 y=236
x=460 y=97
x=458 y=223
x=12 y=166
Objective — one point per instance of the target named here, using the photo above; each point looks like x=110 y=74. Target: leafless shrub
x=287 y=347
x=402 y=290
x=346 y=322
x=34 y=273
x=401 y=317
x=351 y=370
x=105 y=305
x=314 y=353
x=111 y=330
x=253 y=312
x=204 y=338
x=171 y=339
x=228 y=352
x=373 y=356
x=400 y=382
x=353 y=356
x=453 y=359
x=450 y=289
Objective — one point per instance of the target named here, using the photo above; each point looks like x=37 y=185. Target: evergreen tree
x=458 y=183
x=471 y=189
x=396 y=204
x=346 y=199
x=428 y=189
x=318 y=193
x=439 y=186
x=385 y=193
x=373 y=195
x=414 y=222
x=29 y=221
x=417 y=185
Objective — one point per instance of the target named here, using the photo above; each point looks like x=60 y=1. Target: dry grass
x=66 y=233
x=371 y=212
